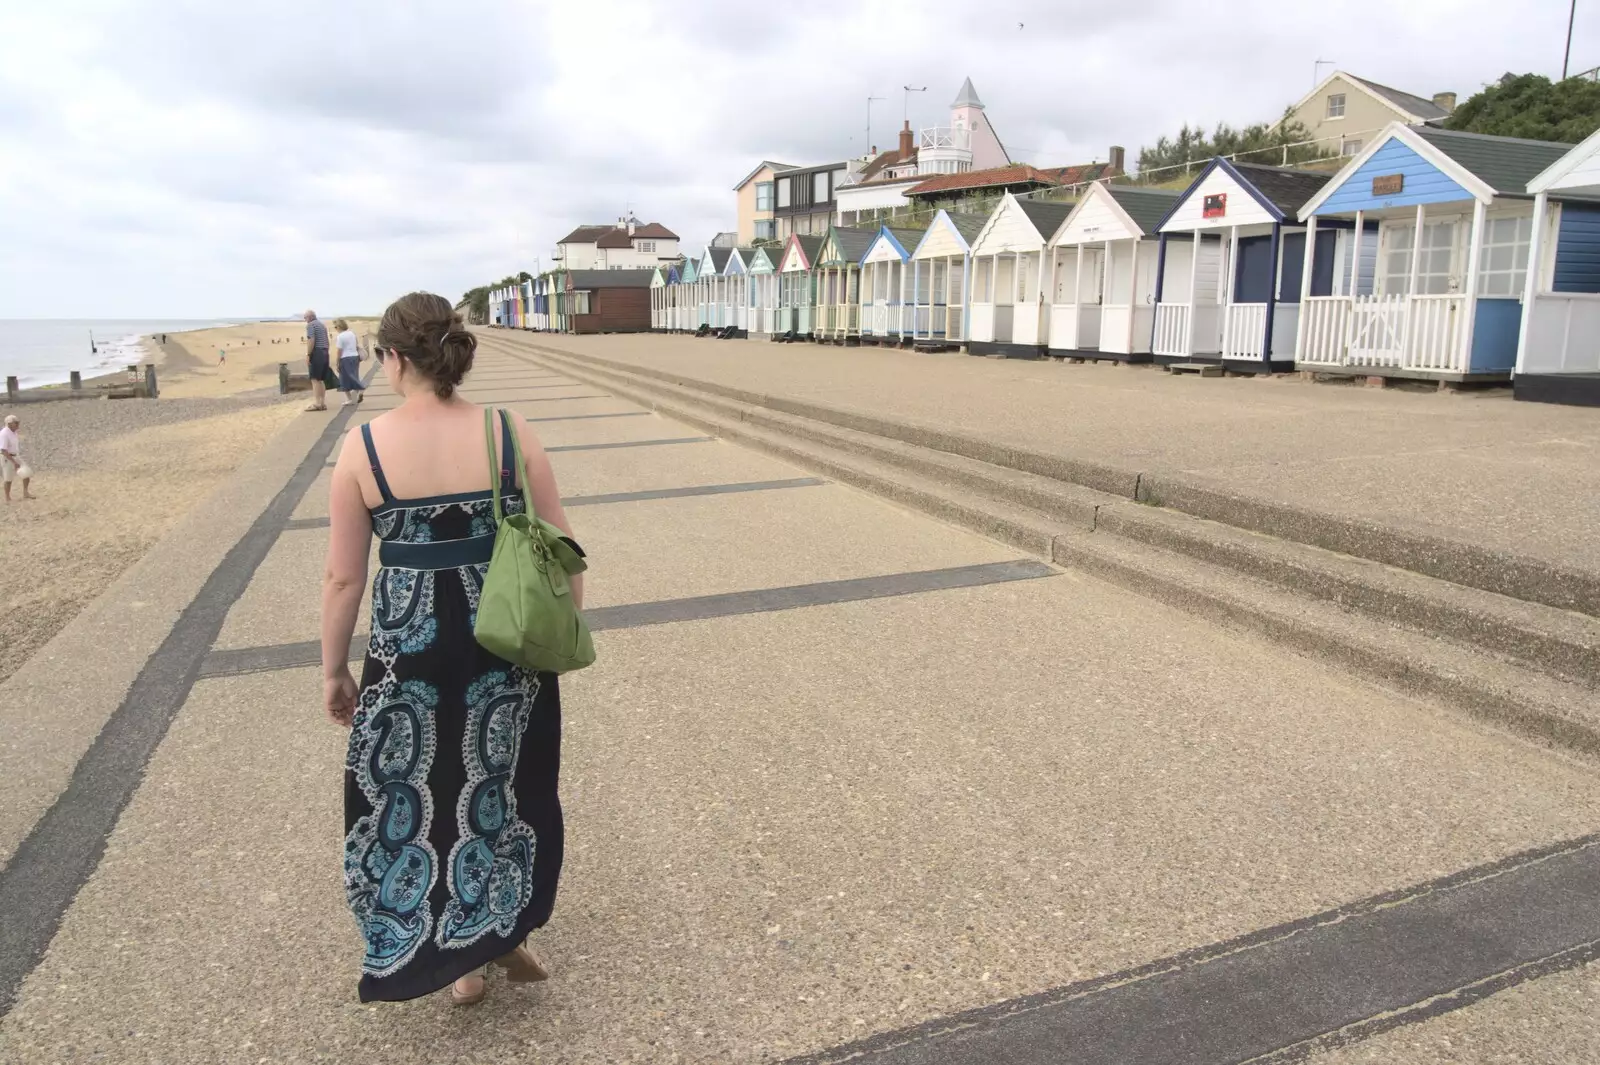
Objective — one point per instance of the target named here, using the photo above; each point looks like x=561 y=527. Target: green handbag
x=525 y=611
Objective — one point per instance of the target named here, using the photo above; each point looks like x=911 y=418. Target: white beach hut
x=1558 y=349
x=939 y=269
x=1008 y=314
x=1233 y=300
x=1103 y=262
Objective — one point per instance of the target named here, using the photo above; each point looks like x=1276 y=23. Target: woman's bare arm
x=345 y=574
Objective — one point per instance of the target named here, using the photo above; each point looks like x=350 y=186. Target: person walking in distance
x=317 y=360
x=453 y=838
x=349 y=363
x=11 y=464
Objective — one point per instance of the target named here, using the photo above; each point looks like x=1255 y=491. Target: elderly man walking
x=11 y=464
x=317 y=357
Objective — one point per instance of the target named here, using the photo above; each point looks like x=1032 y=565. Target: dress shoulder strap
x=376 y=466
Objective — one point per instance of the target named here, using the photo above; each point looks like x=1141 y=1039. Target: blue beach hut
x=1450 y=256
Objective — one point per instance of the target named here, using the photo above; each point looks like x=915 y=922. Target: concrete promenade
x=846 y=782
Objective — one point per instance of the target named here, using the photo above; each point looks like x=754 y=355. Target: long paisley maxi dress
x=453 y=827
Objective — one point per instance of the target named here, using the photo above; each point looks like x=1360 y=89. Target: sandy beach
x=112 y=476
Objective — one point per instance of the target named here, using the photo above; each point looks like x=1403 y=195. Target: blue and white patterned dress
x=453 y=826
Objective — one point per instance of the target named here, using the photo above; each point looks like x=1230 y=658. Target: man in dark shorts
x=317 y=356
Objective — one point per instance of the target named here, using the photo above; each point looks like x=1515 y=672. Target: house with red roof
x=628 y=244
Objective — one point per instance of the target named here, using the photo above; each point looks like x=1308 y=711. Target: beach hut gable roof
x=1019 y=225
x=1480 y=166
x=1277 y=191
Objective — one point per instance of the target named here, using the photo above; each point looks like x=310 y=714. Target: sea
x=45 y=351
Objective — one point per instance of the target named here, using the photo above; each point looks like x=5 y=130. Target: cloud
x=191 y=158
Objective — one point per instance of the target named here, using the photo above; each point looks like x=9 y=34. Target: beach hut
x=604 y=301
x=886 y=293
x=1009 y=316
x=838 y=267
x=714 y=287
x=689 y=295
x=1558 y=351
x=1233 y=300
x=736 y=291
x=763 y=294
x=658 y=298
x=1450 y=256
x=797 y=286
x=1102 y=273
x=939 y=267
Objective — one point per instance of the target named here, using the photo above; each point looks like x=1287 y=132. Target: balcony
x=948 y=137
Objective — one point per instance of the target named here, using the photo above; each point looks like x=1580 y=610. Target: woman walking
x=349 y=363
x=454 y=831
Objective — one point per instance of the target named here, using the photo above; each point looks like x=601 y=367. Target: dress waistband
x=443 y=554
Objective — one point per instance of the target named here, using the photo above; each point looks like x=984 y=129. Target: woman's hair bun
x=427 y=331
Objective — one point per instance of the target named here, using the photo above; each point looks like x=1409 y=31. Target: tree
x=476 y=304
x=1531 y=106
x=1275 y=143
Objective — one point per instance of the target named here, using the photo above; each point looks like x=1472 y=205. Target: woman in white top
x=349 y=363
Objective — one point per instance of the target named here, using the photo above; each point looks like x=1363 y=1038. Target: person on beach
x=349 y=363
x=454 y=830
x=317 y=360
x=11 y=464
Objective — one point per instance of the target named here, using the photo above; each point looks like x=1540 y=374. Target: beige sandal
x=523 y=966
x=461 y=998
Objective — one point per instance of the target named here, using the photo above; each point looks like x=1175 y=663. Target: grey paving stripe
x=699 y=608
x=692 y=490
x=586 y=417
x=66 y=844
x=633 y=443
x=1280 y=994
x=236 y=661
x=296 y=524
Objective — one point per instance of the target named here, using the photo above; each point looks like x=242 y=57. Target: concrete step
x=1497 y=689
x=1516 y=576
x=1563 y=643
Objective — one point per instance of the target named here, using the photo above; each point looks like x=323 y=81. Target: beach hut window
x=1434 y=261
x=1336 y=105
x=1503 y=262
x=980 y=278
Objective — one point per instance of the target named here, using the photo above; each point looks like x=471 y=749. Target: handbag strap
x=521 y=467
x=511 y=475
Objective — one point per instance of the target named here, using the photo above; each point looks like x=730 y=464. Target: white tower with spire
x=967 y=143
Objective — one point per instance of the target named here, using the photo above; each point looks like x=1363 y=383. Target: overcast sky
x=194 y=158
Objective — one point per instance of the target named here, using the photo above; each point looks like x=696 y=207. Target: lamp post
x=1572 y=13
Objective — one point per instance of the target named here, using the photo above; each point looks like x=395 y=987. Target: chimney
x=631 y=221
x=1445 y=100
x=1118 y=156
x=908 y=144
